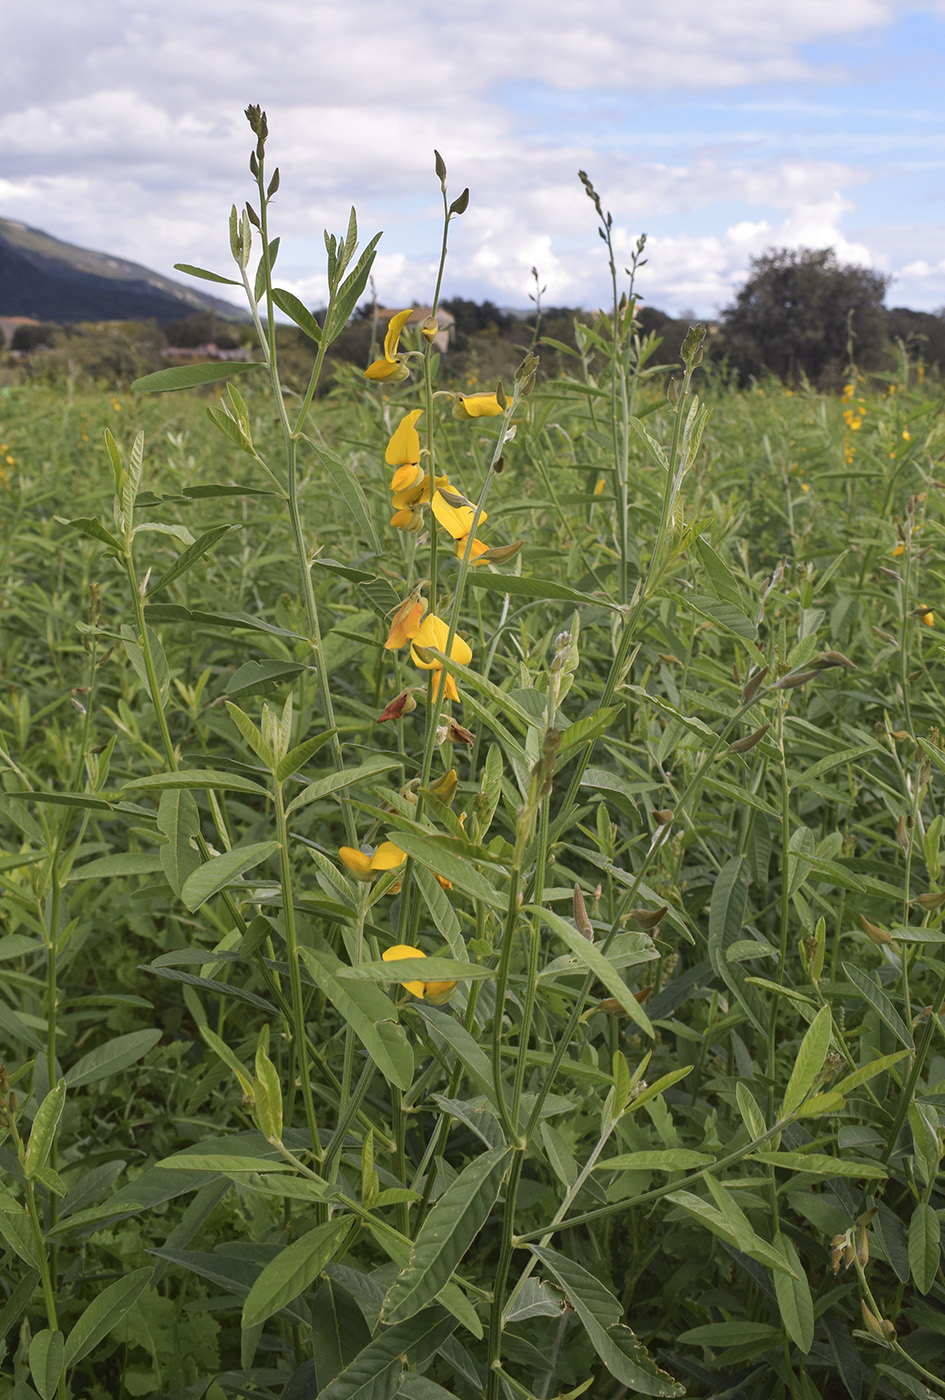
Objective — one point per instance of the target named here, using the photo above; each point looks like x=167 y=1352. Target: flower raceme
x=434 y=992
x=391 y=369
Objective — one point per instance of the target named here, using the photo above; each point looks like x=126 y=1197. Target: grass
x=675 y=1127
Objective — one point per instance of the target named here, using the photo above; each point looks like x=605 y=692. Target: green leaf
x=594 y=960
x=104 y=1312
x=728 y=1222
x=349 y=489
x=95 y=529
x=179 y=820
x=225 y=1163
x=339 y=1331
x=47 y=1350
x=223 y=870
x=189 y=557
x=294 y=1269
x=115 y=867
x=365 y=1008
x=729 y=1334
x=443 y=858
x=821 y=1165
x=188 y=376
x=794 y=1301
x=880 y=1002
x=18 y=945
x=43 y=1131
x=925 y=1247
x=599 y=1311
x=521 y=587
x=726 y=616
x=204 y=274
x=667 y=1159
x=347 y=777
x=809 y=1062
x=201 y=779
x=752 y=1116
x=720 y=578
x=726 y=918
x=262 y=677
x=298 y=312
x=111 y=1057
x=446 y=1234
x=464 y=1046
x=375 y=1372
x=298 y=757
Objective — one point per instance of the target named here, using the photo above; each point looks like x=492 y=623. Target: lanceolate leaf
x=625 y=1358
x=294 y=1269
x=446 y=1234
x=365 y=1007
x=594 y=960
x=189 y=557
x=794 y=1299
x=223 y=870
x=187 y=376
x=375 y=1372
x=103 y=1313
x=809 y=1062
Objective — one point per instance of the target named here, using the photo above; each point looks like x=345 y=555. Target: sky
x=719 y=130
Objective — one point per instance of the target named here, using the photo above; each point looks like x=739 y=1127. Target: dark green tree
x=793 y=317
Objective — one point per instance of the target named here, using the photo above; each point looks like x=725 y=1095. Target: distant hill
x=48 y=280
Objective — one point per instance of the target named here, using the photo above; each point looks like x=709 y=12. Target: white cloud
x=124 y=131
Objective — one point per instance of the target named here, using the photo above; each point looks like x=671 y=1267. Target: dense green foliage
x=677 y=1128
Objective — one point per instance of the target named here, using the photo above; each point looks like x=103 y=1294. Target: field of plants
x=471 y=875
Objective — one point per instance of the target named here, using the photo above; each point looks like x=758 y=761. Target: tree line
x=801 y=315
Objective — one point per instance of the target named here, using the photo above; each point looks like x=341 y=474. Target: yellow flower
x=407 y=519
x=454 y=512
x=433 y=632
x=364 y=867
x=475 y=554
x=906 y=435
x=406 y=622
x=434 y=992
x=929 y=619
x=405 y=478
x=477 y=406
x=899 y=551
x=391 y=368
x=404 y=445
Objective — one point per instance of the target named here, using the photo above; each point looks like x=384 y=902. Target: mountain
x=48 y=280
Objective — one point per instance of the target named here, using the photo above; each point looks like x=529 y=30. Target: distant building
x=445 y=320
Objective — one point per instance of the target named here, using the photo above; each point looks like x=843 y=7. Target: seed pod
x=649 y=918
x=930 y=901
x=835 y=658
x=749 y=741
x=663 y=816
x=753 y=685
x=581 y=921
x=791 y=682
x=876 y=935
